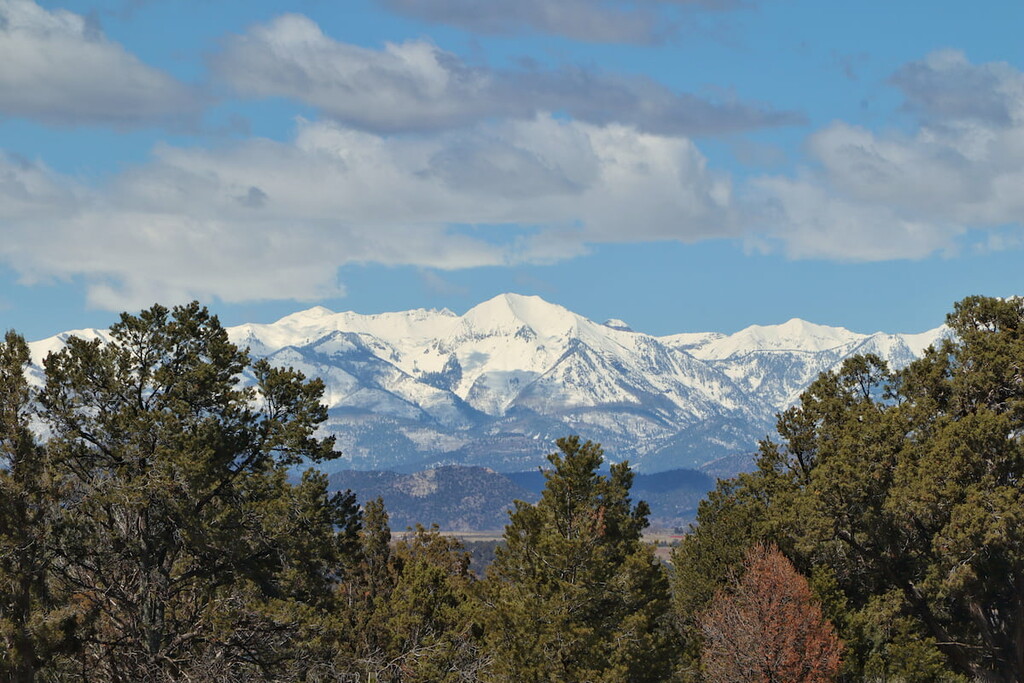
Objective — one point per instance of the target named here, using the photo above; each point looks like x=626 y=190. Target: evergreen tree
x=376 y=571
x=730 y=520
x=575 y=594
x=35 y=624
x=431 y=616
x=408 y=609
x=179 y=536
x=900 y=493
x=361 y=642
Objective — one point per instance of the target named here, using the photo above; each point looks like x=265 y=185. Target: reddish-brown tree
x=767 y=629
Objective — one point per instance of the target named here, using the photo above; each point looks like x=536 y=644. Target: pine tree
x=902 y=492
x=575 y=594
x=179 y=535
x=407 y=611
x=36 y=625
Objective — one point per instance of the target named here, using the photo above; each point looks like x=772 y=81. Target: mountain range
x=495 y=387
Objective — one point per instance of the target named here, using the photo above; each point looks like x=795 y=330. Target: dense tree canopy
x=901 y=493
x=35 y=623
x=153 y=527
x=159 y=507
x=409 y=612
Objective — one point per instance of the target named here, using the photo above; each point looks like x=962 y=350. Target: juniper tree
x=407 y=611
x=35 y=623
x=901 y=494
x=431 y=617
x=576 y=594
x=180 y=537
x=359 y=641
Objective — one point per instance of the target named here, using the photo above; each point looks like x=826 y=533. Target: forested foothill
x=150 y=531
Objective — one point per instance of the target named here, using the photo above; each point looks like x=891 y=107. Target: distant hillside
x=672 y=495
x=460 y=498
x=455 y=498
x=730 y=465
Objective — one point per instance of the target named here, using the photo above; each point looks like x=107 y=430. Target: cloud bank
x=271 y=220
x=59 y=69
x=871 y=196
x=415 y=86
x=425 y=160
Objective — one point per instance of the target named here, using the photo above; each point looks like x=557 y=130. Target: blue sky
x=685 y=165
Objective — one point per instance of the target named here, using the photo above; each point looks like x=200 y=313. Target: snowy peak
x=512 y=312
x=919 y=343
x=44 y=347
x=310 y=314
x=495 y=386
x=689 y=341
x=306 y=327
x=793 y=335
x=802 y=335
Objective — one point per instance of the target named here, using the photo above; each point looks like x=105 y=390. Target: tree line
x=149 y=531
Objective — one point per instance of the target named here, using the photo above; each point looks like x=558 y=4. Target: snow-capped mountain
x=777 y=362
x=497 y=385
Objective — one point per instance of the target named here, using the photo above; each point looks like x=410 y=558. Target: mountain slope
x=496 y=386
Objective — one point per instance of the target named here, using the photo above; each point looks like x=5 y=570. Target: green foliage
x=368 y=582
x=730 y=520
x=178 y=536
x=408 y=611
x=154 y=534
x=575 y=594
x=903 y=492
x=431 y=616
x=35 y=624
x=894 y=646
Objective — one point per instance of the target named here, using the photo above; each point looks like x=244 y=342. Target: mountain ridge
x=495 y=386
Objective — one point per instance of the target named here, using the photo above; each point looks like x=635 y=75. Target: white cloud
x=873 y=196
x=261 y=219
x=811 y=220
x=57 y=68
x=417 y=86
x=186 y=224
